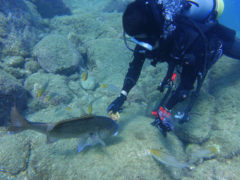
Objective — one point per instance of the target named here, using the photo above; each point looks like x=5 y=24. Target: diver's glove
x=116 y=105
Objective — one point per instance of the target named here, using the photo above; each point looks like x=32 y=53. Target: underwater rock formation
x=49 y=9
x=14 y=154
x=198 y=129
x=104 y=53
x=18 y=28
x=56 y=54
x=10 y=89
x=48 y=89
x=224 y=86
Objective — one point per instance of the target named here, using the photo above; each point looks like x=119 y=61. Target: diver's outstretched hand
x=116 y=105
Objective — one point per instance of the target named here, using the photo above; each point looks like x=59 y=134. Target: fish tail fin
x=91 y=140
x=17 y=122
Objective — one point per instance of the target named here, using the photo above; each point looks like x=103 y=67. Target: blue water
x=231 y=14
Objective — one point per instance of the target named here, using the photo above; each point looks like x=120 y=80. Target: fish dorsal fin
x=84 y=117
x=87 y=116
x=50 y=127
x=17 y=121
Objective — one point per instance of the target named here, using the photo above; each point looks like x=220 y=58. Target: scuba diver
x=187 y=36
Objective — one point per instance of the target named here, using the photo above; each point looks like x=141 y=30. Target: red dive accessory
x=173 y=77
x=163 y=121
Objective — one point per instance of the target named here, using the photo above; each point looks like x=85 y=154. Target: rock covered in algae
x=32 y=66
x=56 y=54
x=89 y=83
x=198 y=129
x=14 y=61
x=213 y=169
x=19 y=28
x=10 y=88
x=109 y=55
x=224 y=86
x=47 y=88
x=226 y=131
x=14 y=153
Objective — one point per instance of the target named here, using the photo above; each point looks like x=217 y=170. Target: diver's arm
x=134 y=70
x=233 y=50
x=131 y=78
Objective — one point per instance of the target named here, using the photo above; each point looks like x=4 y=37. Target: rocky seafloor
x=44 y=53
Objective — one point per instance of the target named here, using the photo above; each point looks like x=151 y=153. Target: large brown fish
x=90 y=129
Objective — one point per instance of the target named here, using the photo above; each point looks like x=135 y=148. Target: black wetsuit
x=186 y=47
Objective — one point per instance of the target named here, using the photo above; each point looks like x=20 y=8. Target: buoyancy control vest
x=190 y=35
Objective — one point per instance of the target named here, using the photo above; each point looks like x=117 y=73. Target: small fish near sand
x=90 y=129
x=3 y=170
x=202 y=153
x=168 y=160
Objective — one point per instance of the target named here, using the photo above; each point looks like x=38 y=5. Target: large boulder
x=198 y=129
x=10 y=89
x=110 y=56
x=224 y=86
x=46 y=89
x=49 y=9
x=15 y=154
x=18 y=28
x=56 y=54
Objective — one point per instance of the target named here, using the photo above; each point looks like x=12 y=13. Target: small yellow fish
x=40 y=92
x=3 y=170
x=90 y=109
x=214 y=149
x=84 y=76
x=47 y=99
x=103 y=86
x=69 y=109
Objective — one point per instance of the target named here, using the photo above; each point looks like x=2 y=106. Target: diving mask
x=143 y=44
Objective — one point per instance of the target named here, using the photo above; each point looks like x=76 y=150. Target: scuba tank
x=204 y=10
